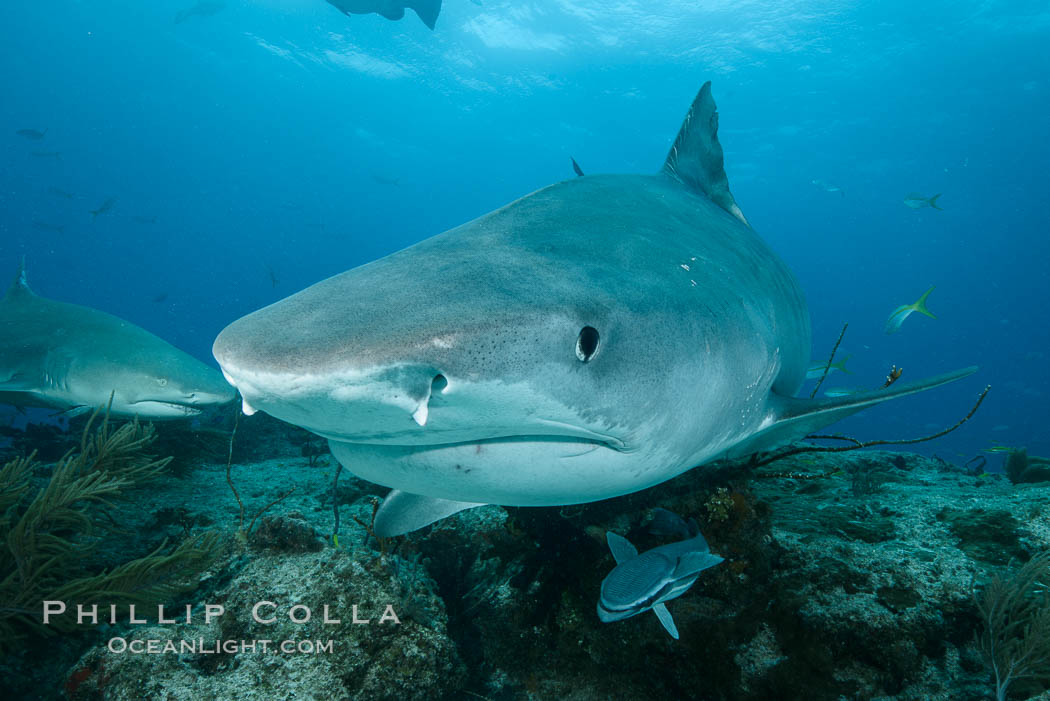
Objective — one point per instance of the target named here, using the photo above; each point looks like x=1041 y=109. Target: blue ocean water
x=257 y=148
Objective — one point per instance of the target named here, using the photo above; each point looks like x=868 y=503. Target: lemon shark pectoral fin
x=794 y=418
x=402 y=512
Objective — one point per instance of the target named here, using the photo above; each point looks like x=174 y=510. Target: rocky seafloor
x=846 y=576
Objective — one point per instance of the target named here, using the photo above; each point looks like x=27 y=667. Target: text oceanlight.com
x=201 y=646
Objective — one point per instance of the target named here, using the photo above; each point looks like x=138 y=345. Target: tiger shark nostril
x=437 y=386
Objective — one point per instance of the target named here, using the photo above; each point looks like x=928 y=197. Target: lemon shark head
x=74 y=358
x=588 y=340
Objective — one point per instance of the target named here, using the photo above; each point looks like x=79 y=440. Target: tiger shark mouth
x=578 y=444
x=439 y=412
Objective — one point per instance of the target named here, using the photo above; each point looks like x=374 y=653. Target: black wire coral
x=45 y=540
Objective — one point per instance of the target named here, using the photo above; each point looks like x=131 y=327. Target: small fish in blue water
x=60 y=192
x=576 y=167
x=917 y=201
x=828 y=187
x=32 y=134
x=998 y=449
x=893 y=324
x=104 y=207
x=385 y=179
x=643 y=582
x=391 y=9
x=816 y=370
x=142 y=219
x=57 y=155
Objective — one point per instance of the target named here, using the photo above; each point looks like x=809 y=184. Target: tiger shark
x=592 y=339
x=74 y=358
x=427 y=10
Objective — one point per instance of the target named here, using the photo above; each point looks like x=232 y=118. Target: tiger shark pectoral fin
x=798 y=417
x=402 y=512
x=665 y=619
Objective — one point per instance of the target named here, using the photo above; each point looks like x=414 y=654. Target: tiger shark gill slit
x=594 y=338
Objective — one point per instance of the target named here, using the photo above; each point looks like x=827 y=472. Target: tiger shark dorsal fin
x=402 y=512
x=696 y=158
x=20 y=285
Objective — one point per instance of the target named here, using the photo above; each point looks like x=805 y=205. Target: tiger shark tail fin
x=797 y=417
x=933 y=201
x=402 y=512
x=696 y=159
x=427 y=10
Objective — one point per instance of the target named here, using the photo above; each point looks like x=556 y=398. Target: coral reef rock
x=412 y=659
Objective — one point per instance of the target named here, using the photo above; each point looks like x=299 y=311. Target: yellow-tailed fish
x=893 y=324
x=816 y=370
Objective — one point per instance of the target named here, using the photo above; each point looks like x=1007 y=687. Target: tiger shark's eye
x=587 y=343
x=162 y=381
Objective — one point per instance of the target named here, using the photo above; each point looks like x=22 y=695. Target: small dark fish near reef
x=643 y=582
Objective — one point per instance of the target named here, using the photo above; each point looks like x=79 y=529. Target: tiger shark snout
x=420 y=378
